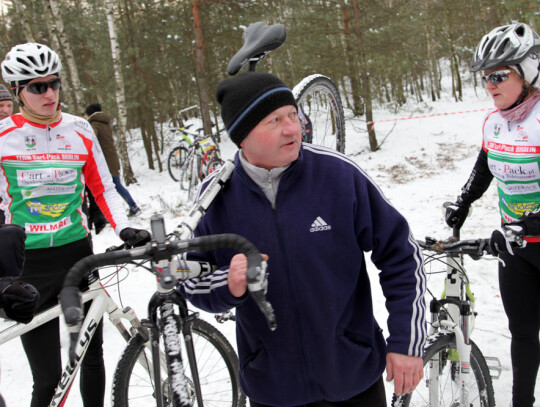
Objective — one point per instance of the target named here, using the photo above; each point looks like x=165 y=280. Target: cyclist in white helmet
x=510 y=153
x=47 y=157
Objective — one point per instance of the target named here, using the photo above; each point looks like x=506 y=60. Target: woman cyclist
x=510 y=153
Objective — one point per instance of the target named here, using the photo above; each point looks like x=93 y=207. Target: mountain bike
x=193 y=159
x=151 y=368
x=320 y=107
x=455 y=371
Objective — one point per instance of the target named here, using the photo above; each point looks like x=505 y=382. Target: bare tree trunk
x=70 y=60
x=26 y=27
x=366 y=91
x=350 y=60
x=67 y=90
x=200 y=71
x=129 y=177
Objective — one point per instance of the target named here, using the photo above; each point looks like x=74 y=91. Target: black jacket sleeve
x=478 y=181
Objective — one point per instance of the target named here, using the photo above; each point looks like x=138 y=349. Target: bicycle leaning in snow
x=196 y=157
x=455 y=371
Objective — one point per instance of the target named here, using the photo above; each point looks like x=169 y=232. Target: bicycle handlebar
x=472 y=247
x=256 y=274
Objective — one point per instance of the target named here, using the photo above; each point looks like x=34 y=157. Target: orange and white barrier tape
x=372 y=123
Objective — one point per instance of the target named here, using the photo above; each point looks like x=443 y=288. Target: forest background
x=152 y=63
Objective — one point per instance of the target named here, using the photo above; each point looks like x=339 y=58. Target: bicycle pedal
x=494 y=366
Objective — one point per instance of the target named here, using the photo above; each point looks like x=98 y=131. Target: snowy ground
x=423 y=163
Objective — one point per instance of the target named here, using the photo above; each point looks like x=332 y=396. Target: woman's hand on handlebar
x=237 y=274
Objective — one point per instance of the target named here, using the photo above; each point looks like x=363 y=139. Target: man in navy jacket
x=314 y=212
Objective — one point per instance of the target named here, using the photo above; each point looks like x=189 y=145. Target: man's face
x=275 y=141
x=43 y=104
x=6 y=108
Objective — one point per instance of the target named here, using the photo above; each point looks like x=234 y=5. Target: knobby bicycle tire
x=175 y=162
x=438 y=352
x=216 y=361
x=320 y=101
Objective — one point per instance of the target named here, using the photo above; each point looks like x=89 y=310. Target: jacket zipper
x=307 y=370
x=48 y=140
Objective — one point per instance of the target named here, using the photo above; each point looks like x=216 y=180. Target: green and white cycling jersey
x=43 y=173
x=513 y=150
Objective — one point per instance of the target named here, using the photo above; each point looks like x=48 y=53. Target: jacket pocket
x=355 y=339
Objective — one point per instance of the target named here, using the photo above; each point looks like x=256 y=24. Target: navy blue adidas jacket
x=327 y=344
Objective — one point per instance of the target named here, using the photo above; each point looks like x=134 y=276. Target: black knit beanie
x=93 y=108
x=248 y=98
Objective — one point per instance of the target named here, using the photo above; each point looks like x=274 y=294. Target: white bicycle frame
x=460 y=325
x=101 y=303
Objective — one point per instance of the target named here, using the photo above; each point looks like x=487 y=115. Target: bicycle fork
x=170 y=326
x=459 y=321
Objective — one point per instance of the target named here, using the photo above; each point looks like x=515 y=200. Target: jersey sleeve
x=99 y=181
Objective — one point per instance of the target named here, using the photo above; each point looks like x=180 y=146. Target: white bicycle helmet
x=28 y=61
x=505 y=45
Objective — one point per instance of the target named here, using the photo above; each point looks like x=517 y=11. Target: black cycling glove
x=511 y=236
x=135 y=237
x=456 y=214
x=19 y=300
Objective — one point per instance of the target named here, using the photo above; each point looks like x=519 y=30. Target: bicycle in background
x=320 y=107
x=193 y=159
x=456 y=373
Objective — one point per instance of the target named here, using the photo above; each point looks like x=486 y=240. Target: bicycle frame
x=459 y=307
x=101 y=303
x=453 y=312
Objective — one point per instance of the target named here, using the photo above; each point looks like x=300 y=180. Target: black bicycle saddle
x=258 y=39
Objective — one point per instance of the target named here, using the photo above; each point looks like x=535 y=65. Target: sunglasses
x=39 y=88
x=496 y=77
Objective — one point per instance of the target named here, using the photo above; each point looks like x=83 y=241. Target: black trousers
x=46 y=269
x=373 y=397
x=519 y=283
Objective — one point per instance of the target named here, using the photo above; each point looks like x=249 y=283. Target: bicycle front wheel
x=320 y=103
x=217 y=366
x=176 y=161
x=441 y=385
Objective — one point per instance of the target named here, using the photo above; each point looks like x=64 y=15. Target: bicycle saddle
x=258 y=39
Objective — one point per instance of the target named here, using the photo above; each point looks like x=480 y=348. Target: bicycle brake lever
x=257 y=286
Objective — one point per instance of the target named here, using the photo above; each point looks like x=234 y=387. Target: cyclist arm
x=99 y=181
x=478 y=181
